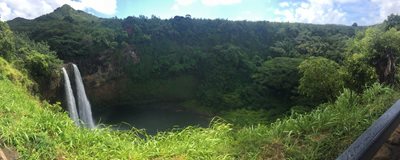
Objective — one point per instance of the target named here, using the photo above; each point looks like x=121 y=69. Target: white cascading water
x=70 y=98
x=85 y=111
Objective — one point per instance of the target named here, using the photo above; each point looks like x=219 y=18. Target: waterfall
x=85 y=111
x=70 y=98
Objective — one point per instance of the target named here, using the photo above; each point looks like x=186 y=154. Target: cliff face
x=104 y=76
x=108 y=83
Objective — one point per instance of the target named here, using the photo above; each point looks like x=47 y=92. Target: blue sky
x=364 y=12
x=232 y=9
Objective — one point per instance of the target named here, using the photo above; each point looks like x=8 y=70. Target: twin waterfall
x=70 y=99
x=85 y=113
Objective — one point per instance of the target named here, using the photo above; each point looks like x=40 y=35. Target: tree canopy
x=322 y=79
x=232 y=63
x=279 y=76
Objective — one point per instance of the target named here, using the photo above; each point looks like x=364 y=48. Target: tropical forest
x=76 y=85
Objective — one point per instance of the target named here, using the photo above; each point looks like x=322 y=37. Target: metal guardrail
x=366 y=146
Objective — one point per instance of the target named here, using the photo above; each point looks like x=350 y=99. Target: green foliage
x=322 y=79
x=212 y=58
x=385 y=51
x=220 y=54
x=7 y=71
x=224 y=73
x=67 y=13
x=381 y=49
x=384 y=43
x=296 y=40
x=321 y=134
x=279 y=76
x=33 y=59
x=245 y=117
x=41 y=131
x=6 y=41
x=72 y=33
x=41 y=65
x=393 y=21
x=359 y=74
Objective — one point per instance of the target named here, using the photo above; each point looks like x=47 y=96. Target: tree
x=7 y=46
x=279 y=76
x=354 y=24
x=358 y=73
x=322 y=79
x=393 y=21
x=224 y=73
x=383 y=50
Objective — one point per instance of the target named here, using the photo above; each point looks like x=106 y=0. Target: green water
x=153 y=118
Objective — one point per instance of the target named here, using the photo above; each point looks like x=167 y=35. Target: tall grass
x=7 y=71
x=323 y=133
x=41 y=131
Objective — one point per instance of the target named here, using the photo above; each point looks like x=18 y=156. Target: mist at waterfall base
x=152 y=117
x=85 y=113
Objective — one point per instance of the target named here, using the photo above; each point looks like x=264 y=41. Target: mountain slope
x=66 y=12
x=215 y=59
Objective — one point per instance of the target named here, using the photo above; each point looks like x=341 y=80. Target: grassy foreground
x=37 y=130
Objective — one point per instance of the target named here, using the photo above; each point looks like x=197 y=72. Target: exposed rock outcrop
x=391 y=149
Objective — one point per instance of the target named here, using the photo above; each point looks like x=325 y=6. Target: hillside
x=139 y=60
x=273 y=90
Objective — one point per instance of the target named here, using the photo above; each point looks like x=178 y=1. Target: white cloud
x=210 y=3
x=348 y=1
x=313 y=11
x=249 y=16
x=10 y=9
x=332 y=11
x=4 y=10
x=387 y=7
x=220 y=2
x=284 y=4
x=108 y=7
x=182 y=3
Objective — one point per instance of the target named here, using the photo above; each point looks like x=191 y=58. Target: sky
x=346 y=12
